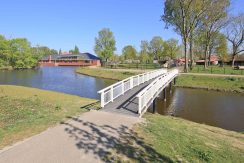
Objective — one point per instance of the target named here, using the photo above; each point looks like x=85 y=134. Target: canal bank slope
x=98 y=136
x=27 y=111
x=171 y=139
x=114 y=74
x=215 y=82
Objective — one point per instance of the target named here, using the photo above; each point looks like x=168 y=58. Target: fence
x=109 y=94
x=148 y=94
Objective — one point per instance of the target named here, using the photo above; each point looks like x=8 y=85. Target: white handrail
x=148 y=94
x=110 y=93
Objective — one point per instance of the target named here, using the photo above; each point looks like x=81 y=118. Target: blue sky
x=65 y=23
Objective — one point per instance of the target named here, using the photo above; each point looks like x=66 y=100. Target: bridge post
x=131 y=82
x=102 y=99
x=174 y=80
x=165 y=94
x=112 y=94
x=154 y=105
x=123 y=88
x=170 y=87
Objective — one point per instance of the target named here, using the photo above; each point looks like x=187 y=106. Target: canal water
x=220 y=109
x=225 y=110
x=60 y=79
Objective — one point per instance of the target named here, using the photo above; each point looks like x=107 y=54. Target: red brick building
x=82 y=59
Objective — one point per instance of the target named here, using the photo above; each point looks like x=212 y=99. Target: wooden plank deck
x=126 y=104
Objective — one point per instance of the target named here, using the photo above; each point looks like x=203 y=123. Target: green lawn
x=27 y=111
x=106 y=73
x=170 y=139
x=139 y=66
x=217 y=70
x=232 y=84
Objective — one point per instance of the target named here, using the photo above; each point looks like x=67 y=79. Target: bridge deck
x=126 y=104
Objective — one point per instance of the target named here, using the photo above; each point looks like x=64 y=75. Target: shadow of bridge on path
x=110 y=143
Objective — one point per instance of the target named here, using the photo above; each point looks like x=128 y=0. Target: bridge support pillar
x=174 y=80
x=164 y=94
x=170 y=87
x=154 y=105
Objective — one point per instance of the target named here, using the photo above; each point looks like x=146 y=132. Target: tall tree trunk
x=233 y=60
x=209 y=56
x=206 y=56
x=191 y=54
x=185 y=54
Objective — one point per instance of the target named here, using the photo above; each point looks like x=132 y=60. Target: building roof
x=84 y=56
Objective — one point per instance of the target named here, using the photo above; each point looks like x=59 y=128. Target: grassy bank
x=106 y=73
x=169 y=139
x=27 y=111
x=231 y=84
x=139 y=66
x=217 y=70
x=6 y=68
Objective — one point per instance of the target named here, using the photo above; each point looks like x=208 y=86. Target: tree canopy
x=105 y=44
x=75 y=51
x=235 y=35
x=19 y=54
x=171 y=48
x=129 y=52
x=156 y=47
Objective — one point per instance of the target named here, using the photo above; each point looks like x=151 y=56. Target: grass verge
x=106 y=73
x=228 y=70
x=231 y=84
x=27 y=111
x=170 y=139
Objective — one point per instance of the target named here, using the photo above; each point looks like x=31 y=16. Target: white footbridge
x=134 y=95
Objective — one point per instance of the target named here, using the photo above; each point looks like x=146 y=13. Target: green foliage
x=171 y=48
x=19 y=54
x=75 y=51
x=60 y=52
x=156 y=48
x=41 y=51
x=129 y=52
x=222 y=48
x=144 y=53
x=105 y=44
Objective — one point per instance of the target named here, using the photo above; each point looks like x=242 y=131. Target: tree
x=105 y=44
x=59 y=52
x=156 y=47
x=222 y=48
x=212 y=22
x=4 y=52
x=171 y=48
x=115 y=58
x=41 y=51
x=235 y=35
x=21 y=54
x=144 y=53
x=184 y=16
x=129 y=52
x=75 y=51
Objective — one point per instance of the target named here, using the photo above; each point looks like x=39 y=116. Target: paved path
x=214 y=75
x=127 y=104
x=87 y=138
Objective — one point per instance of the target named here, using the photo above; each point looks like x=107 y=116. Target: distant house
x=239 y=61
x=82 y=59
x=214 y=60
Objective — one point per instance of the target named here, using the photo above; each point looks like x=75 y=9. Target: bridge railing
x=110 y=93
x=148 y=94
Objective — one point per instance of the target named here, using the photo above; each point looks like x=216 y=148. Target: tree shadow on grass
x=111 y=144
